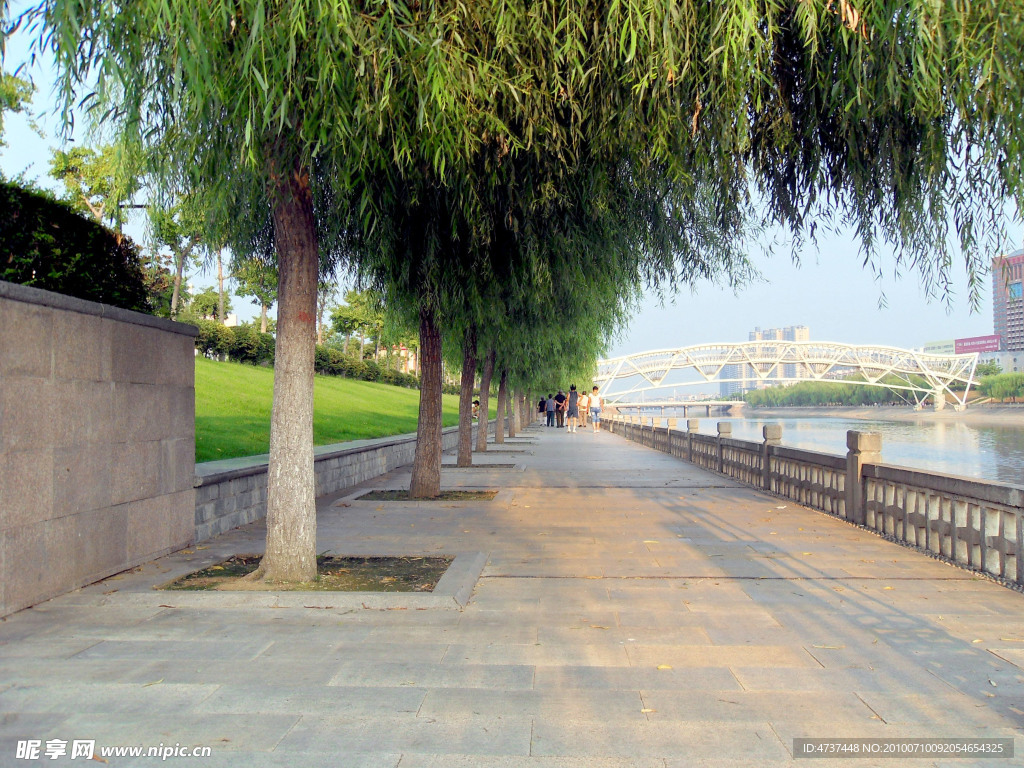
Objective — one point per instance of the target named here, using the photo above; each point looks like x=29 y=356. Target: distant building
x=979 y=344
x=1009 y=362
x=945 y=347
x=1008 y=300
x=747 y=378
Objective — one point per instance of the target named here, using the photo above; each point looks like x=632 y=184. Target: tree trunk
x=466 y=399
x=426 y=466
x=499 y=429
x=485 y=406
x=511 y=411
x=263 y=317
x=291 y=502
x=521 y=411
x=321 y=304
x=220 y=288
x=179 y=273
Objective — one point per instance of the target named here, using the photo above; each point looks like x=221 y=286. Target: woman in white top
x=595 y=410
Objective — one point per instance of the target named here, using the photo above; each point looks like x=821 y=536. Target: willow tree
x=895 y=117
x=279 y=109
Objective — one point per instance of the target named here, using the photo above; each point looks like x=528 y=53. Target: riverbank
x=980 y=415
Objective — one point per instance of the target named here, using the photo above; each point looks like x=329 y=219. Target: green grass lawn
x=233 y=410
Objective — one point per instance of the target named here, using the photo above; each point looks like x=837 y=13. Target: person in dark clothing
x=549 y=408
x=560 y=399
x=572 y=409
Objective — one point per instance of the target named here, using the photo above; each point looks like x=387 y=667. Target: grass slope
x=233 y=410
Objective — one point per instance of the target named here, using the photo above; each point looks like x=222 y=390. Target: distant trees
x=15 y=95
x=361 y=316
x=96 y=181
x=258 y=280
x=206 y=304
x=1003 y=386
x=987 y=368
x=823 y=393
x=179 y=226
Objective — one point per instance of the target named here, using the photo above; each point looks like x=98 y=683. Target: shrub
x=251 y=346
x=373 y=371
x=214 y=339
x=46 y=244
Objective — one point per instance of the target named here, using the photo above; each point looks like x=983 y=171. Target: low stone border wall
x=233 y=492
x=972 y=523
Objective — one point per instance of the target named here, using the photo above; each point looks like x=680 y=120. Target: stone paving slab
x=622 y=609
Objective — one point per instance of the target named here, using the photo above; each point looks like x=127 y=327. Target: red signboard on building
x=977 y=344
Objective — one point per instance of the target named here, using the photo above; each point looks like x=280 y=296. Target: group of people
x=571 y=410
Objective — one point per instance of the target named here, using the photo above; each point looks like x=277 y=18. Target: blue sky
x=830 y=292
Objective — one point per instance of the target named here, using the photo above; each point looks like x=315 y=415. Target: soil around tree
x=445 y=496
x=335 y=574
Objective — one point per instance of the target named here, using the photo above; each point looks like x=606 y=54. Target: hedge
x=46 y=244
x=245 y=344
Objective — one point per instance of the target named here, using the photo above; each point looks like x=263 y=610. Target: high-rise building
x=746 y=377
x=1008 y=300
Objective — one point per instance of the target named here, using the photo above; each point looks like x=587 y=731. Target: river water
x=990 y=453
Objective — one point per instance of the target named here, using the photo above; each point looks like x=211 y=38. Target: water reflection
x=984 y=452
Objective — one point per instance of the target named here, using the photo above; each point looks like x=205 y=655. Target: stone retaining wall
x=97 y=442
x=233 y=492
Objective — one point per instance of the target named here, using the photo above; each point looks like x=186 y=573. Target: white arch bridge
x=626 y=380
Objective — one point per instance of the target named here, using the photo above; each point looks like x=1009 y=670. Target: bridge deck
x=633 y=611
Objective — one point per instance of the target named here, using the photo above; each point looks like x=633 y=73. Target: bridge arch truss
x=918 y=374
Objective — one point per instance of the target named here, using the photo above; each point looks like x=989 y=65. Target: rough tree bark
x=465 y=458
x=263 y=317
x=426 y=466
x=485 y=396
x=511 y=411
x=499 y=428
x=291 y=503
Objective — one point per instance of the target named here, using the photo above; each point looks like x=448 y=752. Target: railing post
x=668 y=436
x=864 y=448
x=772 y=436
x=692 y=425
x=724 y=433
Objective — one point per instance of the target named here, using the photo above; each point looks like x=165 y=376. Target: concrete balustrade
x=972 y=523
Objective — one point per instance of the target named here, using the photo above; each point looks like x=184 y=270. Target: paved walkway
x=633 y=611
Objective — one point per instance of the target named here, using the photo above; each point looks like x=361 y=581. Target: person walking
x=549 y=409
x=560 y=399
x=584 y=406
x=572 y=410
x=595 y=410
